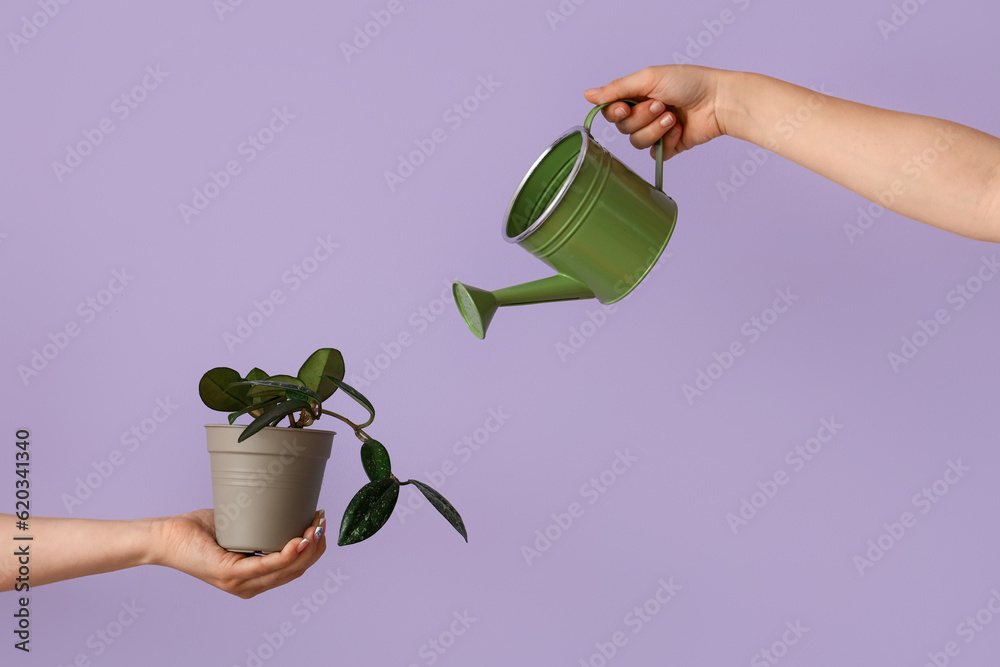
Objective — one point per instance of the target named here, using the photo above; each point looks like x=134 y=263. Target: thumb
x=637 y=85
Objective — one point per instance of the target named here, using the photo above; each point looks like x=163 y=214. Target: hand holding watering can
x=588 y=216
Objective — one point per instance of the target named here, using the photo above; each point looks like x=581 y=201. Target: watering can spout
x=478 y=306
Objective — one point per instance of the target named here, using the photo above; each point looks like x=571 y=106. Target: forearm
x=68 y=548
x=935 y=171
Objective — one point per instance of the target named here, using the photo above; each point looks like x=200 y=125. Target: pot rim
x=273 y=428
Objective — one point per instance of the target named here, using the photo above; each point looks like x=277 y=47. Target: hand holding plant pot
x=266 y=480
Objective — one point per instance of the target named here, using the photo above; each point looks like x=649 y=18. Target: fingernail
x=667 y=120
x=657 y=107
x=302 y=546
x=589 y=91
x=322 y=513
x=620 y=113
x=319 y=533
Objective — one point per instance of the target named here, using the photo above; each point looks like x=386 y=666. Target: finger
x=616 y=112
x=262 y=573
x=260 y=566
x=636 y=85
x=671 y=143
x=643 y=114
x=318 y=537
x=647 y=136
x=306 y=552
x=320 y=542
x=317 y=543
x=320 y=549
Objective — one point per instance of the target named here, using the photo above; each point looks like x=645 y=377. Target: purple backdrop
x=819 y=499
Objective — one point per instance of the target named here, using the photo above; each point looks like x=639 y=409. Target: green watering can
x=589 y=217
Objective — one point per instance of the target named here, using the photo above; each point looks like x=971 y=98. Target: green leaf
x=256 y=406
x=442 y=505
x=320 y=364
x=273 y=414
x=215 y=392
x=368 y=510
x=357 y=396
x=302 y=396
x=277 y=385
x=375 y=460
x=256 y=374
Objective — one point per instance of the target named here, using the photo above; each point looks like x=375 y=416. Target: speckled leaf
x=357 y=396
x=375 y=460
x=442 y=505
x=368 y=511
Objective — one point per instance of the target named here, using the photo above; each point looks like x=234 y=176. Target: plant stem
x=258 y=409
x=358 y=431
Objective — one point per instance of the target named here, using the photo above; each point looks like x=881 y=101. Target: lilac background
x=323 y=176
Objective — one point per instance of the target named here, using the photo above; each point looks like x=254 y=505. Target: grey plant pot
x=265 y=488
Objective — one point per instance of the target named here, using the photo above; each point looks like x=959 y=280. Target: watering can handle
x=659 y=144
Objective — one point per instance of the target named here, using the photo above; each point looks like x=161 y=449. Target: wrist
x=154 y=541
x=732 y=103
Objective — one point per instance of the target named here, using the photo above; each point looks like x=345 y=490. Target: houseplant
x=266 y=480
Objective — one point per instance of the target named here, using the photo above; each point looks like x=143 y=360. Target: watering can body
x=583 y=212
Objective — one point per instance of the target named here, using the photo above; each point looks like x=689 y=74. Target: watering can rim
x=563 y=189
